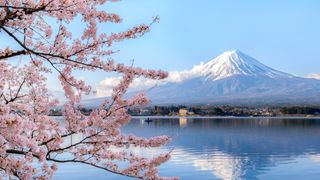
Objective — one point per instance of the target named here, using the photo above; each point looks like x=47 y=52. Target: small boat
x=148 y=120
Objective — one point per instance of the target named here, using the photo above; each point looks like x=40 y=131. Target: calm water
x=227 y=149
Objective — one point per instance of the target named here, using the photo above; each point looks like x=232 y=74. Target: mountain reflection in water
x=228 y=148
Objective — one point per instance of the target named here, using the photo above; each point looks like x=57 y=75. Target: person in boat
x=148 y=120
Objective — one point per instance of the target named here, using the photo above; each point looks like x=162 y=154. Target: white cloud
x=314 y=76
x=106 y=85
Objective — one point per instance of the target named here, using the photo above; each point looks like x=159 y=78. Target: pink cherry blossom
x=31 y=141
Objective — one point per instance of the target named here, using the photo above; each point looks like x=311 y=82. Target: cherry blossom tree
x=31 y=141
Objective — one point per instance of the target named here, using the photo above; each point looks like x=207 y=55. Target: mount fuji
x=236 y=78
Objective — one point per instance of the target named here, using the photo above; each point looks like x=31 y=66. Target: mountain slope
x=235 y=77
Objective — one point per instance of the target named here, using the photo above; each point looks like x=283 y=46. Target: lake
x=226 y=148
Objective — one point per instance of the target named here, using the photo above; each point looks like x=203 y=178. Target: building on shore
x=183 y=112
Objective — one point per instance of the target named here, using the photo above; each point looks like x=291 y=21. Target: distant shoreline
x=219 y=117
x=216 y=111
x=227 y=117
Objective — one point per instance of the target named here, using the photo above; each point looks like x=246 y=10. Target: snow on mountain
x=235 y=62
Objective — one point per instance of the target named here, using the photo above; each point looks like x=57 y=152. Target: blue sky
x=282 y=34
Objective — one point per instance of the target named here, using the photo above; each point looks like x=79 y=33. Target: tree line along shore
x=182 y=110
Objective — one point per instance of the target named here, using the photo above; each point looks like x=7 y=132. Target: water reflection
x=225 y=149
x=183 y=122
x=238 y=148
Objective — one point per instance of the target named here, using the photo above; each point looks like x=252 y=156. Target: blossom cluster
x=28 y=135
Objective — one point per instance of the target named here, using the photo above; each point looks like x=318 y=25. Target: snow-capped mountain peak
x=235 y=62
x=233 y=78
